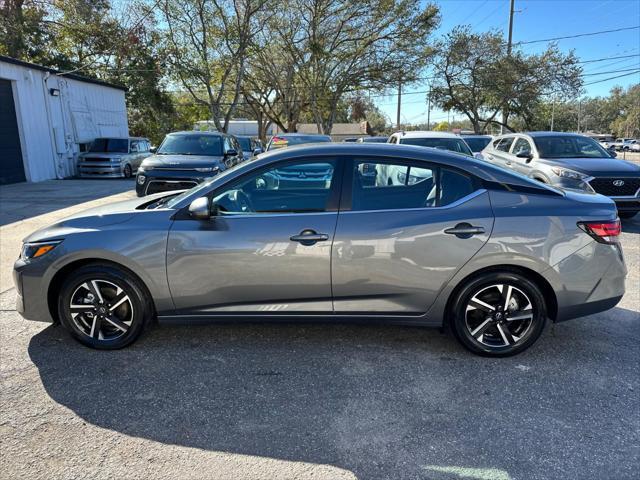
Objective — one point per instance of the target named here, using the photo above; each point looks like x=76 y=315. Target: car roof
x=300 y=135
x=473 y=135
x=426 y=134
x=198 y=132
x=550 y=134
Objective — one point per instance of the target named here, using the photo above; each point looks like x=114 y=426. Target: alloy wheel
x=499 y=315
x=101 y=310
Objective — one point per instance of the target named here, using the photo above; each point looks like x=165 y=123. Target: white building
x=45 y=118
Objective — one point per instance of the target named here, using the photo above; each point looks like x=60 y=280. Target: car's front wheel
x=498 y=314
x=128 y=172
x=104 y=306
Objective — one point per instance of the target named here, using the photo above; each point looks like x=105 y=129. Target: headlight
x=140 y=179
x=207 y=169
x=563 y=172
x=37 y=249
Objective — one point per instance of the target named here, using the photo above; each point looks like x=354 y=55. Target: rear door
x=397 y=245
x=500 y=154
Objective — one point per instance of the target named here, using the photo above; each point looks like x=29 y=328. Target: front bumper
x=168 y=180
x=100 y=170
x=627 y=204
x=31 y=299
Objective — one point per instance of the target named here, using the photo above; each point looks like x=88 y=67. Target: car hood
x=598 y=166
x=181 y=161
x=102 y=155
x=94 y=218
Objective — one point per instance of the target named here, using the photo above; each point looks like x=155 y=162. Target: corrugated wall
x=51 y=127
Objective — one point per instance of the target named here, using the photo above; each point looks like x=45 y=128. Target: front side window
x=298 y=187
x=522 y=146
x=191 y=144
x=110 y=145
x=569 y=146
x=400 y=185
x=134 y=146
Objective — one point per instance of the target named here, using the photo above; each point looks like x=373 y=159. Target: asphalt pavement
x=322 y=401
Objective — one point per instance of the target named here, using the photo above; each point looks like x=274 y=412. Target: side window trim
x=346 y=198
x=333 y=199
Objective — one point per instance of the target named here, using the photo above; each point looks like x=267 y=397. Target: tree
x=475 y=75
x=207 y=44
x=23 y=32
x=341 y=46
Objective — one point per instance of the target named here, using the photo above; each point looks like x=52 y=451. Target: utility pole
x=579 y=113
x=509 y=45
x=553 y=111
x=399 y=104
x=429 y=109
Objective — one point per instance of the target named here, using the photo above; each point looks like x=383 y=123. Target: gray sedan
x=569 y=160
x=461 y=244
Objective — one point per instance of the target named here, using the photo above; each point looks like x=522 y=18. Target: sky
x=539 y=19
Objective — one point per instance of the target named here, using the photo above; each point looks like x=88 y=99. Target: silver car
x=569 y=160
x=488 y=254
x=113 y=157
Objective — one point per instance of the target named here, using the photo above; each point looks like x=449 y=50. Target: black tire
x=627 y=215
x=127 y=171
x=126 y=322
x=500 y=331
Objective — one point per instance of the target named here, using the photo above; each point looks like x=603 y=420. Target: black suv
x=185 y=159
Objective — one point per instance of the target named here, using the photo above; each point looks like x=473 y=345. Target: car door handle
x=309 y=237
x=464 y=230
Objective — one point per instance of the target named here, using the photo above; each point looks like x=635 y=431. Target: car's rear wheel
x=498 y=314
x=103 y=306
x=627 y=215
x=127 y=171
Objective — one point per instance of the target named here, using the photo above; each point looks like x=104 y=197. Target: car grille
x=606 y=186
x=155 y=187
x=96 y=159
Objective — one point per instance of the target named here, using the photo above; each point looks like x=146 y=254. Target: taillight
x=603 y=232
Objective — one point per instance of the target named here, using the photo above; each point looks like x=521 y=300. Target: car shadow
x=376 y=400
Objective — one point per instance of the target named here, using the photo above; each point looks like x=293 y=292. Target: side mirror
x=153 y=149
x=231 y=153
x=199 y=209
x=613 y=153
x=257 y=151
x=526 y=155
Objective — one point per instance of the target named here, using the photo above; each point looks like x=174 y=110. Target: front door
x=397 y=245
x=268 y=249
x=522 y=164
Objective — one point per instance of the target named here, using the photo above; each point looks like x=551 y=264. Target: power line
x=577 y=35
x=611 y=78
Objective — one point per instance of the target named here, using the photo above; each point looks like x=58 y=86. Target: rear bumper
x=591 y=280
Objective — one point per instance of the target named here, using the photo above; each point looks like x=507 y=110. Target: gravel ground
x=318 y=401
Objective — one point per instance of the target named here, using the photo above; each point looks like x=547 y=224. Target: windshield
x=201 y=186
x=452 y=144
x=286 y=141
x=191 y=144
x=477 y=144
x=375 y=140
x=569 y=147
x=245 y=143
x=110 y=145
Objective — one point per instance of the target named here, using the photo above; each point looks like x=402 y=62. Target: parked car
x=392 y=175
x=624 y=144
x=379 y=139
x=477 y=143
x=185 y=159
x=439 y=140
x=477 y=249
x=569 y=160
x=635 y=147
x=250 y=146
x=283 y=140
x=113 y=157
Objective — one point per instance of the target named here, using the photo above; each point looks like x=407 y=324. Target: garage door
x=11 y=166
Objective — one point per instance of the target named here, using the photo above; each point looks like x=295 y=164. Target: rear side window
x=505 y=144
x=401 y=185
